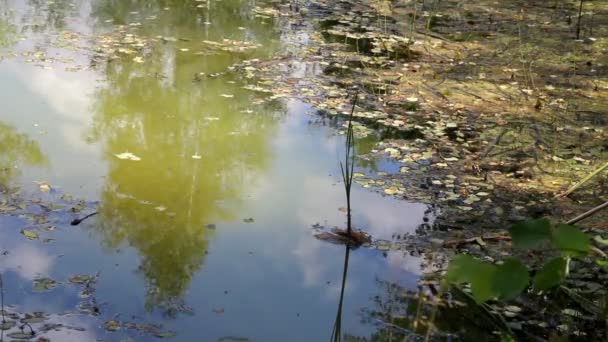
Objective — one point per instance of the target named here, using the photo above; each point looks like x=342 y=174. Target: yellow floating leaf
x=30 y=234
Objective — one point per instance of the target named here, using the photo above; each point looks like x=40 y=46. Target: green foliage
x=531 y=234
x=551 y=274
x=466 y=269
x=488 y=281
x=511 y=278
x=564 y=238
x=570 y=239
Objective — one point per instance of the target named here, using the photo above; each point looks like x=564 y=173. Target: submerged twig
x=496 y=142
x=76 y=222
x=585 y=180
x=588 y=213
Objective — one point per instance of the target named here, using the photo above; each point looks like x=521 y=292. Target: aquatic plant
x=347 y=168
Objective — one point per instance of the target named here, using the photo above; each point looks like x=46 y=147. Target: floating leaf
x=127 y=156
x=112 y=325
x=30 y=234
x=44 y=284
x=7 y=325
x=530 y=234
x=392 y=190
x=165 y=334
x=80 y=279
x=21 y=335
x=34 y=317
x=570 y=239
x=551 y=274
x=7 y=208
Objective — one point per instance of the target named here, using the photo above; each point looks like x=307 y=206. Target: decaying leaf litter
x=490 y=113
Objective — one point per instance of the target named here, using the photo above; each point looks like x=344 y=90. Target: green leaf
x=511 y=278
x=530 y=234
x=570 y=239
x=551 y=274
x=460 y=269
x=482 y=283
x=466 y=269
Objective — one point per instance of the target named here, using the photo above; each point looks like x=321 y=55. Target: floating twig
x=76 y=222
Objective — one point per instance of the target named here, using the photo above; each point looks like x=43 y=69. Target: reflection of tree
x=49 y=14
x=213 y=20
x=16 y=149
x=364 y=146
x=200 y=151
x=7 y=28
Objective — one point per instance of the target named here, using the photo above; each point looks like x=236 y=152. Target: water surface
x=208 y=229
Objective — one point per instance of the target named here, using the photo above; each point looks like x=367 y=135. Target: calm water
x=84 y=81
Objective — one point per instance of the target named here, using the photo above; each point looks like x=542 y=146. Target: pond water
x=206 y=192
